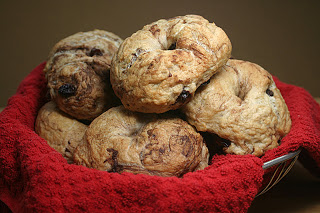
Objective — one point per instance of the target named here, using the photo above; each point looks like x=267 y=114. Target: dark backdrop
x=281 y=36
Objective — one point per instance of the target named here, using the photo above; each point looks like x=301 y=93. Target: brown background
x=281 y=36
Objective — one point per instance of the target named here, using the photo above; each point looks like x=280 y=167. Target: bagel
x=242 y=105
x=61 y=131
x=78 y=73
x=159 y=67
x=120 y=140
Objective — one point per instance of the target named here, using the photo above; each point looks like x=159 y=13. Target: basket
x=276 y=169
x=44 y=172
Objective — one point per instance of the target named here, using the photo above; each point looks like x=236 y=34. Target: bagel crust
x=61 y=131
x=123 y=141
x=78 y=73
x=159 y=67
x=242 y=105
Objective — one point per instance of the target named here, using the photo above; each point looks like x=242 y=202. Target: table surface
x=297 y=192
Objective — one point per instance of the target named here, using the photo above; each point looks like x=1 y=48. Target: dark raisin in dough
x=67 y=90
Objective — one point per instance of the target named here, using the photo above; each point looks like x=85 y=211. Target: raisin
x=183 y=97
x=269 y=92
x=95 y=51
x=67 y=90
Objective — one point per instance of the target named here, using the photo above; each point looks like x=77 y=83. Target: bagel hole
x=172 y=46
x=241 y=95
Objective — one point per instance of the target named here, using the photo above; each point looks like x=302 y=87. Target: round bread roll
x=242 y=105
x=78 y=73
x=159 y=67
x=123 y=141
x=62 y=132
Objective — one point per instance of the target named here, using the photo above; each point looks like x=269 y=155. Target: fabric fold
x=36 y=178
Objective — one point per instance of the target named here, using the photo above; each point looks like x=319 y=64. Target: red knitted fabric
x=36 y=178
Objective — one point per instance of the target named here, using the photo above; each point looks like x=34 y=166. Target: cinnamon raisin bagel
x=241 y=104
x=78 y=73
x=123 y=141
x=61 y=131
x=159 y=67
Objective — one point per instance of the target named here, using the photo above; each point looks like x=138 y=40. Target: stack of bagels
x=160 y=101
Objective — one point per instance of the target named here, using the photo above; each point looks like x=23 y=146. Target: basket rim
x=280 y=159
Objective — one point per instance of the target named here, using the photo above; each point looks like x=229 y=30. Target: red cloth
x=36 y=178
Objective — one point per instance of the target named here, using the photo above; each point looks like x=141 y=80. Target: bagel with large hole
x=78 y=73
x=120 y=140
x=243 y=106
x=159 y=67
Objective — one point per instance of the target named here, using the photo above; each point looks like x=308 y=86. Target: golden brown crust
x=123 y=141
x=243 y=105
x=159 y=67
x=62 y=132
x=78 y=73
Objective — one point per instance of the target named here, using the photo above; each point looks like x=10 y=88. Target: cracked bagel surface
x=241 y=104
x=78 y=73
x=159 y=67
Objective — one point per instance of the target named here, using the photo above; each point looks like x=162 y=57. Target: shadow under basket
x=276 y=169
